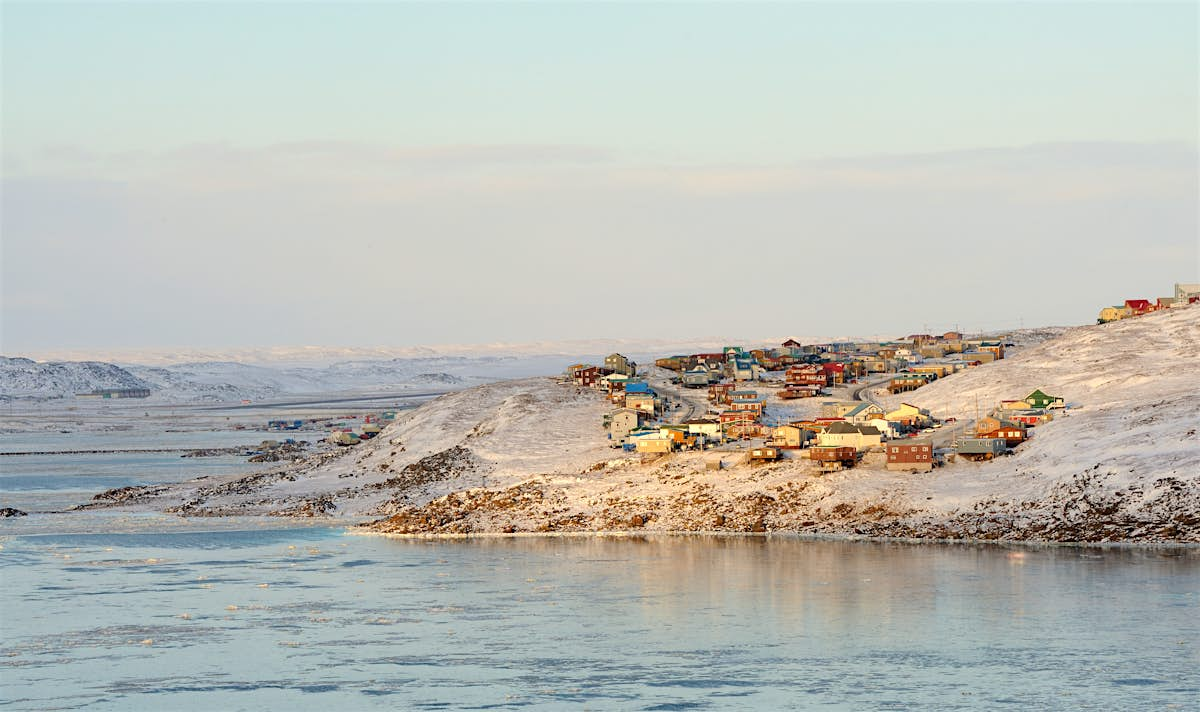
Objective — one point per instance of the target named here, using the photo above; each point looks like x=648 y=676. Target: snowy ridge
x=23 y=378
x=317 y=356
x=223 y=381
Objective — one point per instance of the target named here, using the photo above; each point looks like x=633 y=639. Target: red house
x=589 y=375
x=910 y=456
x=834 y=372
x=747 y=406
x=806 y=375
x=736 y=417
x=1137 y=307
x=719 y=392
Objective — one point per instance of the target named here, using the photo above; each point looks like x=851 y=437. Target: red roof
x=1137 y=304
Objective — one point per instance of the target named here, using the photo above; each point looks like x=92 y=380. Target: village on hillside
x=822 y=402
x=748 y=402
x=1184 y=294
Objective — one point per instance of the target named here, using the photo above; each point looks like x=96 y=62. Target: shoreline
x=357 y=530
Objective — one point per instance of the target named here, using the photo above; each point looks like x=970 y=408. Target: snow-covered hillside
x=496 y=433
x=23 y=378
x=531 y=455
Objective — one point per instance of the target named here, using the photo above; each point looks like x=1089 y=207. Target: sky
x=273 y=173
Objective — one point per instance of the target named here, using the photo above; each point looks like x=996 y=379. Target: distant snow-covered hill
x=220 y=381
x=24 y=378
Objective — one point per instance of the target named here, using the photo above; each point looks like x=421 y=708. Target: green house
x=1038 y=399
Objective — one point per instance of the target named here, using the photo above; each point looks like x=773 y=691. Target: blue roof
x=638 y=388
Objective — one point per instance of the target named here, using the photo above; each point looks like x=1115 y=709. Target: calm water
x=126 y=611
x=147 y=620
x=39 y=483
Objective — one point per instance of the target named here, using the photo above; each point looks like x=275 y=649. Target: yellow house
x=788 y=436
x=909 y=414
x=1111 y=314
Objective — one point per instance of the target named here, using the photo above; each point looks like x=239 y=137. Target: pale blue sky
x=486 y=172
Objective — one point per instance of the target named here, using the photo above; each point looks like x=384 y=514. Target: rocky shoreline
x=533 y=507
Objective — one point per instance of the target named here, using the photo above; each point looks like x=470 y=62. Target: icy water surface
x=253 y=618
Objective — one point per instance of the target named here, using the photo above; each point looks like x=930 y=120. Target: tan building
x=790 y=437
x=623 y=422
x=644 y=402
x=859 y=437
x=619 y=364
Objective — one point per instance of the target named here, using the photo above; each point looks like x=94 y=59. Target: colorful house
x=909 y=414
x=1040 y=399
x=1138 y=307
x=719 y=392
x=754 y=406
x=910 y=456
x=842 y=434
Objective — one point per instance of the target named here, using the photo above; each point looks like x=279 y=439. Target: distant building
x=617 y=363
x=116 y=393
x=1186 y=292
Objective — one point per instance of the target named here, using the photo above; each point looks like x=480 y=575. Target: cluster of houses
x=1008 y=426
x=843 y=431
x=808 y=369
x=1184 y=294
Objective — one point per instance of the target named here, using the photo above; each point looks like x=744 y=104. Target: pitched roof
x=860 y=408
x=844 y=428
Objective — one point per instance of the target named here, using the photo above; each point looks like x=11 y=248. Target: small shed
x=833 y=458
x=763 y=454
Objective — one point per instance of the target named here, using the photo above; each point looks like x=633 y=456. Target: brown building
x=910 y=456
x=1012 y=435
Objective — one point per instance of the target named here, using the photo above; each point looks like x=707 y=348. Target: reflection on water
x=313 y=619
